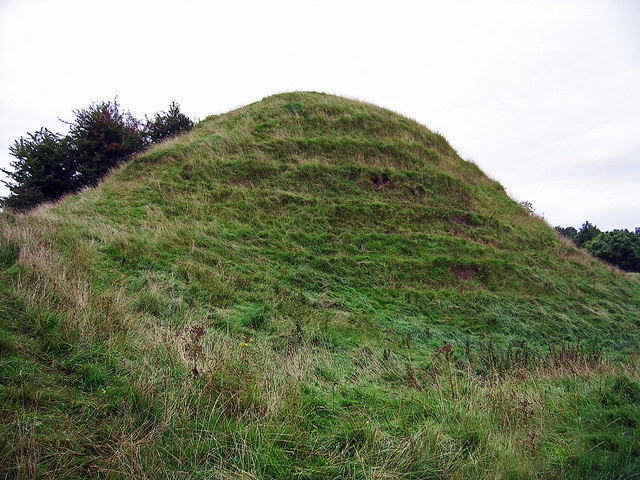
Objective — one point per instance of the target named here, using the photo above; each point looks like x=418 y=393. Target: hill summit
x=309 y=287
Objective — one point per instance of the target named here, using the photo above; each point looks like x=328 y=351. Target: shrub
x=528 y=207
x=619 y=247
x=44 y=170
x=49 y=165
x=168 y=124
x=569 y=232
x=587 y=232
x=101 y=137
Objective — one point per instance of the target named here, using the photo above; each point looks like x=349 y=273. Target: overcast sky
x=543 y=95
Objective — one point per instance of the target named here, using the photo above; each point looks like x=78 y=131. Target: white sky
x=543 y=95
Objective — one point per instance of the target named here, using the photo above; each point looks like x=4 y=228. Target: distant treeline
x=49 y=165
x=618 y=247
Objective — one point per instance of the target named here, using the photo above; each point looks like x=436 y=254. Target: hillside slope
x=310 y=287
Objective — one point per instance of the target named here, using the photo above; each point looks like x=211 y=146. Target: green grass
x=310 y=287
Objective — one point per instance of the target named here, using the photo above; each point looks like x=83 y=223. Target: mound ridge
x=328 y=197
x=309 y=287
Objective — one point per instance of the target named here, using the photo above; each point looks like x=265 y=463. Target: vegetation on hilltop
x=310 y=287
x=49 y=165
x=618 y=247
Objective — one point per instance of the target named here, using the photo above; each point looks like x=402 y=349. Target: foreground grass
x=310 y=287
x=267 y=407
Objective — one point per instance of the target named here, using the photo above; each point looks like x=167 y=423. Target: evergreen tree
x=101 y=137
x=168 y=124
x=44 y=170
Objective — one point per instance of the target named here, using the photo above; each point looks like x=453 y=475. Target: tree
x=168 y=124
x=618 y=247
x=44 y=170
x=49 y=165
x=101 y=137
x=587 y=233
x=569 y=232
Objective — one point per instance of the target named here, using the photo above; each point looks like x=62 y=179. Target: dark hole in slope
x=465 y=272
x=381 y=180
x=461 y=219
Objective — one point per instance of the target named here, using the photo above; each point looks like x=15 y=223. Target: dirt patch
x=462 y=219
x=465 y=272
x=381 y=181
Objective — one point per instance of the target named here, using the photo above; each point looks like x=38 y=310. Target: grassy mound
x=310 y=287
